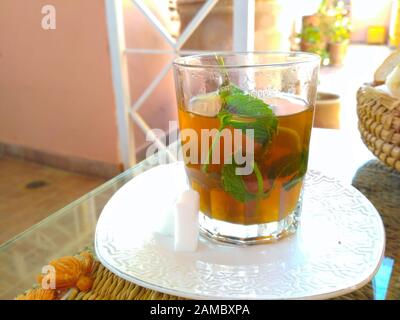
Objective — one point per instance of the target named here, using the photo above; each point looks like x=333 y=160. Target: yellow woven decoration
x=38 y=294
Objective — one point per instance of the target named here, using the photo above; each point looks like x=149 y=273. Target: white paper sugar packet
x=187 y=221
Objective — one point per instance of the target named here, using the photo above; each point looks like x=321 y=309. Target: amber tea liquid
x=279 y=161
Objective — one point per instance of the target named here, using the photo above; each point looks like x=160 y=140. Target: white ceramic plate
x=337 y=249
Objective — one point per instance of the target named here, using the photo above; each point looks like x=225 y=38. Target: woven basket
x=379 y=124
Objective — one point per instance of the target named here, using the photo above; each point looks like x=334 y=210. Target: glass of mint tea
x=245 y=122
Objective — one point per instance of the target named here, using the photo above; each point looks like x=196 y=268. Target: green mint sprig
x=292 y=164
x=242 y=111
x=235 y=186
x=300 y=173
x=263 y=128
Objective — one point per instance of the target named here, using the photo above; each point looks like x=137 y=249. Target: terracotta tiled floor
x=29 y=192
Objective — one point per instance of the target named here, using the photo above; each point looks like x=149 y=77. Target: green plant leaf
x=300 y=173
x=243 y=104
x=244 y=111
x=234 y=184
x=260 y=180
x=294 y=164
x=285 y=166
x=264 y=128
x=311 y=34
x=236 y=187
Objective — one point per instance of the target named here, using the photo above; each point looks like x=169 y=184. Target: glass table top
x=336 y=153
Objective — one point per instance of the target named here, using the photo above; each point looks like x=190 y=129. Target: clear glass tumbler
x=245 y=122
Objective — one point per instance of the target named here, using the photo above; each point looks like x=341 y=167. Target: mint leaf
x=236 y=187
x=234 y=184
x=205 y=165
x=264 y=128
x=260 y=180
x=293 y=164
x=224 y=118
x=243 y=104
x=300 y=173
x=227 y=88
x=290 y=184
x=285 y=166
x=244 y=111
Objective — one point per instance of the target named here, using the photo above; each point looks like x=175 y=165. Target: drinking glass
x=245 y=122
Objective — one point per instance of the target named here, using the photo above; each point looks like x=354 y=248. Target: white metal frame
x=243 y=25
x=127 y=112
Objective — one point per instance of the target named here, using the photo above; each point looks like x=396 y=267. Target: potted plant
x=327 y=32
x=311 y=39
x=339 y=41
x=337 y=29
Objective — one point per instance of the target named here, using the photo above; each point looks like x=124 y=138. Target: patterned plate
x=337 y=249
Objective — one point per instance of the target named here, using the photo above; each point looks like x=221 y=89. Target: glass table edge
x=78 y=201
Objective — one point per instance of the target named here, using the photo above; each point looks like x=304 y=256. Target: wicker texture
x=108 y=286
x=379 y=124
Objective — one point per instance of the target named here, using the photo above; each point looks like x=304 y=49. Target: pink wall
x=56 y=92
x=55 y=85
